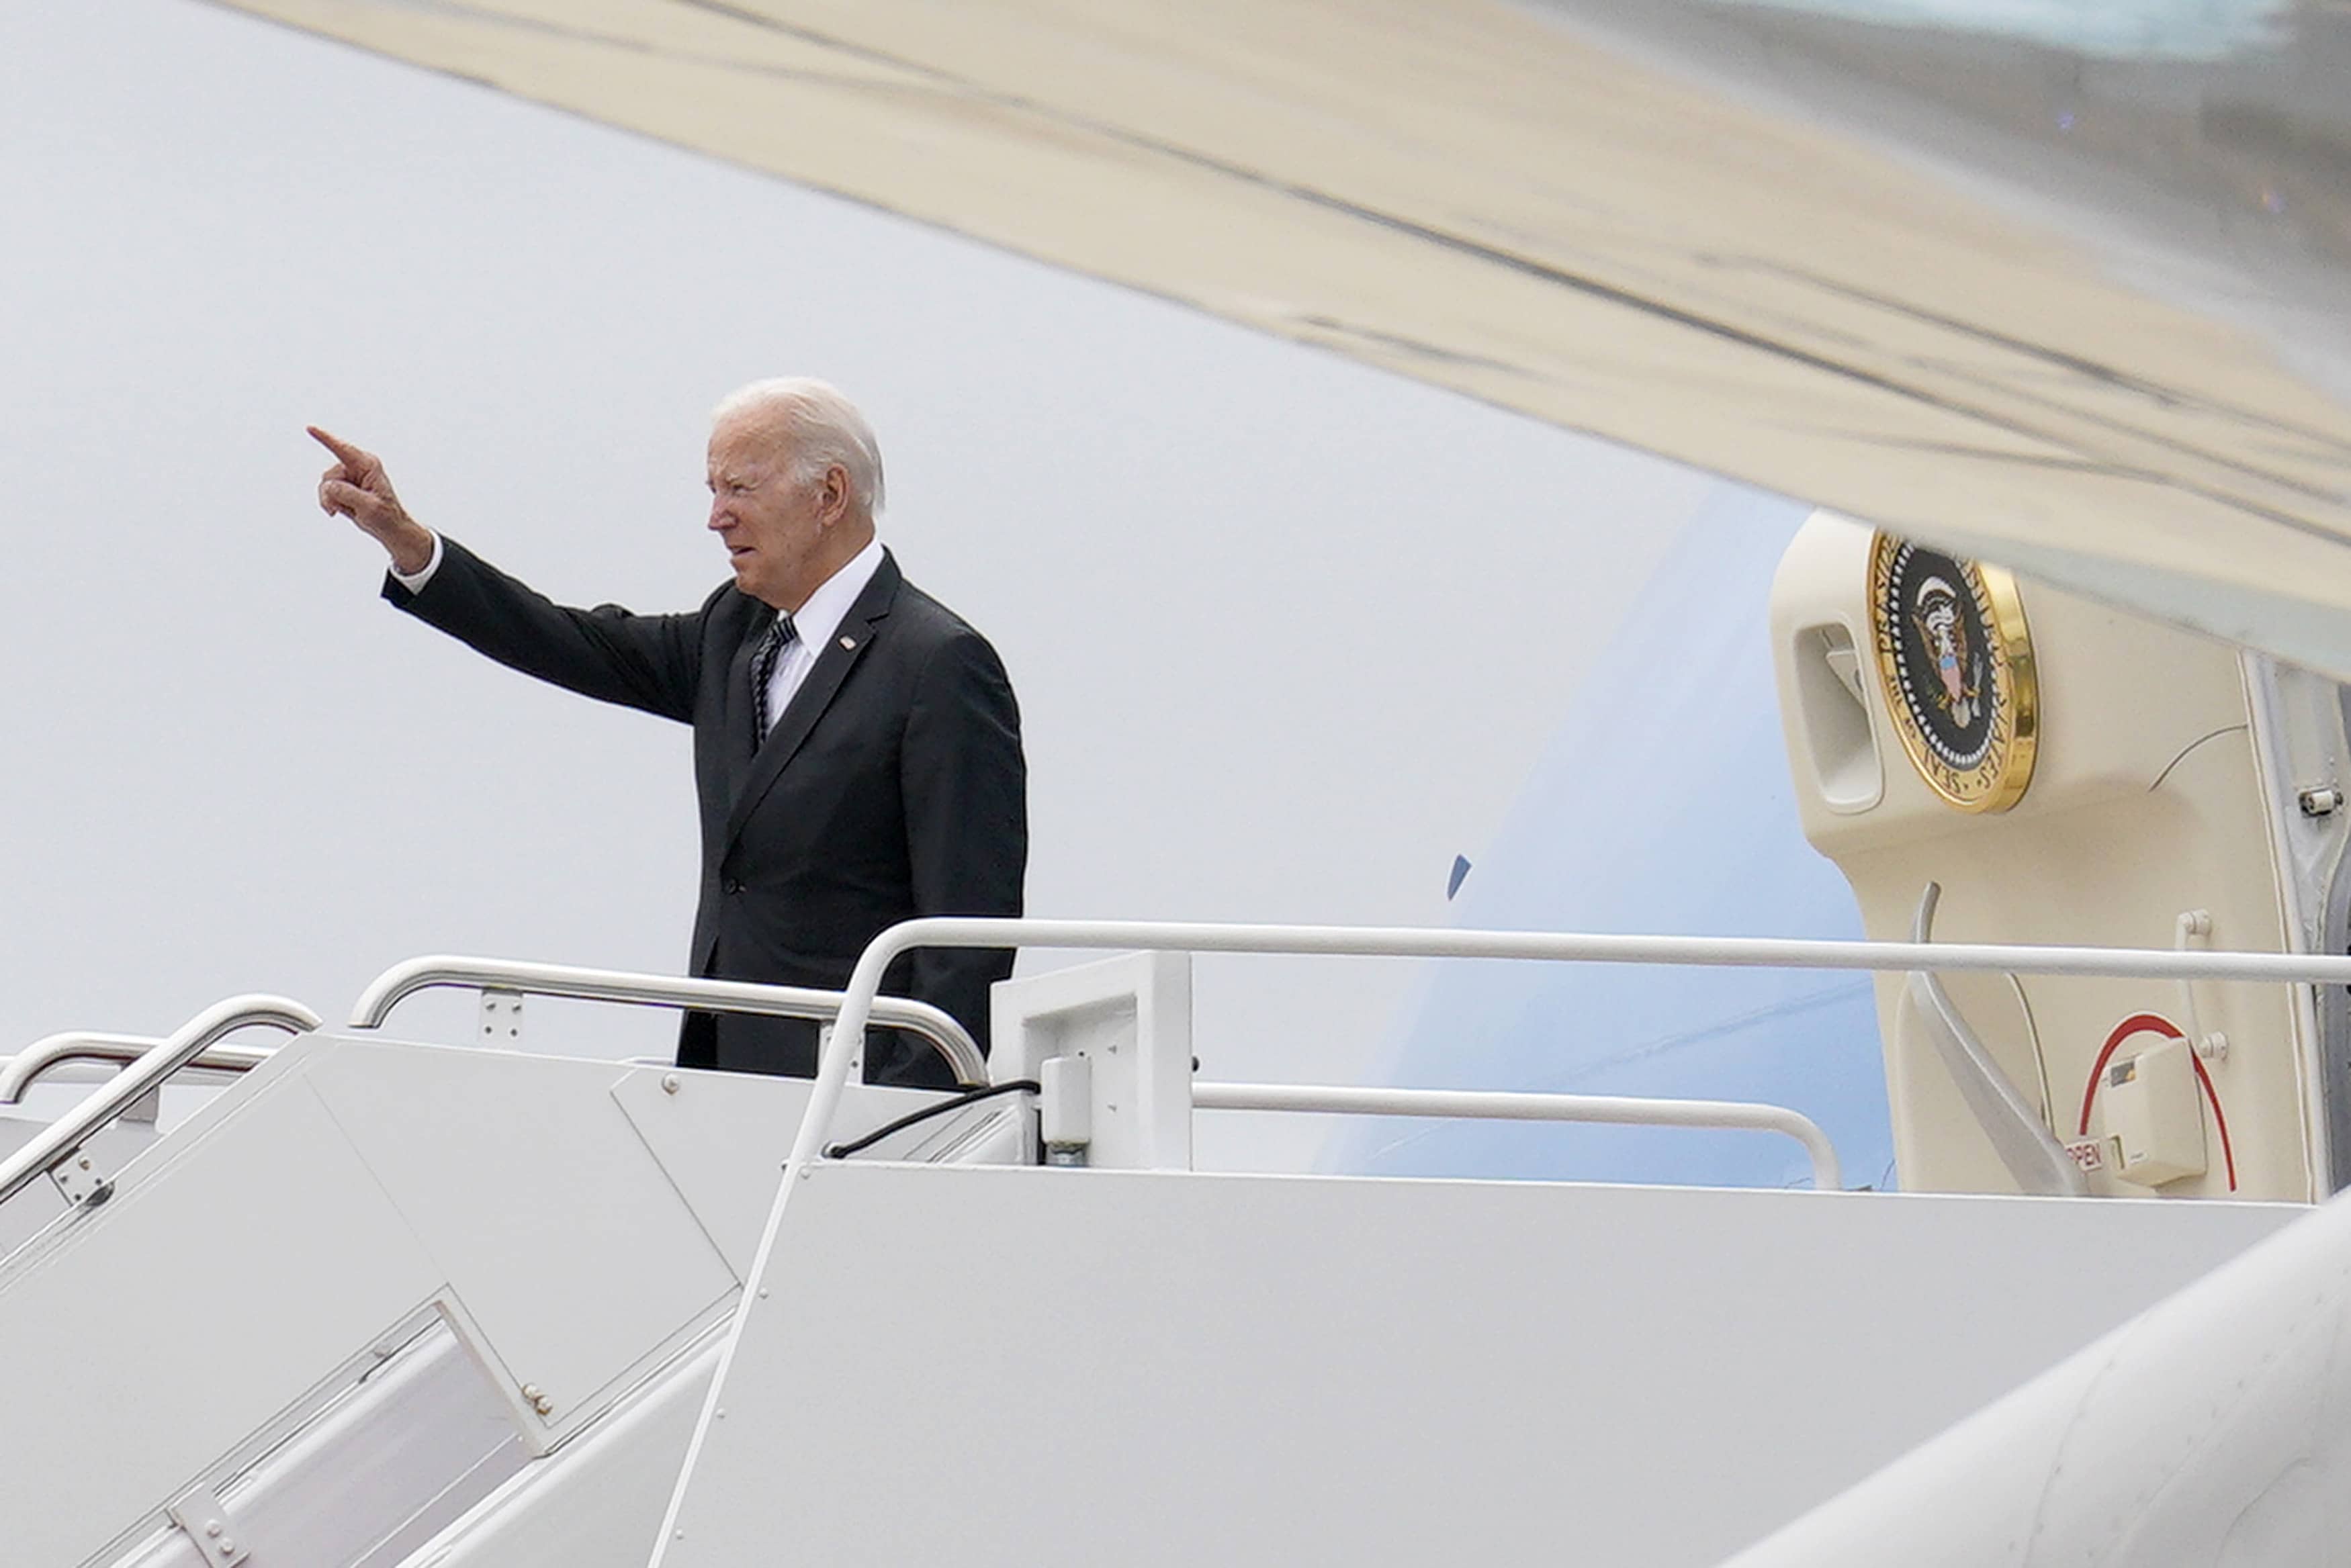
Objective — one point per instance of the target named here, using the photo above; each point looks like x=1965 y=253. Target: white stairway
x=386 y=1305
x=377 y=1289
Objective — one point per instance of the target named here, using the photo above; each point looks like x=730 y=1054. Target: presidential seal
x=1955 y=662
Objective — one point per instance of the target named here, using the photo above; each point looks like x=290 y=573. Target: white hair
x=823 y=427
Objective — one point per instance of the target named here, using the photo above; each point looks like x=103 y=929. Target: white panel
x=594 y=1504
x=224 y=1281
x=16 y=1131
x=1130 y=1017
x=555 y=1226
x=721 y=1138
x=995 y=1365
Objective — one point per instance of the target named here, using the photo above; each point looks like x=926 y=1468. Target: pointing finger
x=352 y=457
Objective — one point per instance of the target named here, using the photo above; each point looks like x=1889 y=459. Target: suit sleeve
x=646 y=662
x=964 y=785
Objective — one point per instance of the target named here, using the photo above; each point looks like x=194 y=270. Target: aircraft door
x=2058 y=771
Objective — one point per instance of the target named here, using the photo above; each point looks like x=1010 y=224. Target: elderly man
x=856 y=746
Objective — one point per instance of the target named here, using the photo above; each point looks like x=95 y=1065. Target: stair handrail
x=1491 y=1105
x=58 y=1142
x=434 y=971
x=51 y=1052
x=1577 y=947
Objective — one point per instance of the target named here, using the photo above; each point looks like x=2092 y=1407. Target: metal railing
x=44 y=1057
x=447 y=971
x=1378 y=941
x=1492 y=1105
x=58 y=1142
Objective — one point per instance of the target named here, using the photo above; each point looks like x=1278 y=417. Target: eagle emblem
x=1955 y=666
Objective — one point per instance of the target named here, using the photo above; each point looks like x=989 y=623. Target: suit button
x=730 y=887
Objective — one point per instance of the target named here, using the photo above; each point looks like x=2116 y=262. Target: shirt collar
x=814 y=622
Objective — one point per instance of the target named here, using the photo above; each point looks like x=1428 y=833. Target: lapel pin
x=848 y=642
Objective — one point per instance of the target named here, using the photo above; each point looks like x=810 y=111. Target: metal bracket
x=78 y=1177
x=501 y=1017
x=201 y=1514
x=2192 y=932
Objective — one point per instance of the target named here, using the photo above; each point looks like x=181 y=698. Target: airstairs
x=390 y=1304
x=378 y=1286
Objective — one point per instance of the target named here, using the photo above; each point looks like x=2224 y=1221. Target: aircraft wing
x=2076 y=304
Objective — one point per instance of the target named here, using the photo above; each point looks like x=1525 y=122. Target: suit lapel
x=834 y=663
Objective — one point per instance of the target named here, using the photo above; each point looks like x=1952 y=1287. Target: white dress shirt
x=814 y=624
x=416 y=579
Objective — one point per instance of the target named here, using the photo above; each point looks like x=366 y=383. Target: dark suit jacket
x=892 y=786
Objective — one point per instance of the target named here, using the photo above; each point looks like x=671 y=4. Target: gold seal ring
x=1956 y=668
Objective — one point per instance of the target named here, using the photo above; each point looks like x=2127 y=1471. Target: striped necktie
x=763 y=671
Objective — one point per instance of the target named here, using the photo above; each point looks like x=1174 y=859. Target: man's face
x=773 y=524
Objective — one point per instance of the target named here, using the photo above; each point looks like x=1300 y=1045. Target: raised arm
x=650 y=662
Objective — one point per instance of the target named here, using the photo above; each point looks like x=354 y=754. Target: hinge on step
x=200 y=1513
x=77 y=1176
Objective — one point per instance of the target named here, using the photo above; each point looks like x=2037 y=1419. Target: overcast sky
x=1288 y=633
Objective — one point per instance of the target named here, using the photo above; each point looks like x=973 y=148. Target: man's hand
x=356 y=487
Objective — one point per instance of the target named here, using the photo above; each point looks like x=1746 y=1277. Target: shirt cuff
x=416 y=579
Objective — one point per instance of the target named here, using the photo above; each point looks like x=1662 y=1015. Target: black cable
x=969 y=1097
